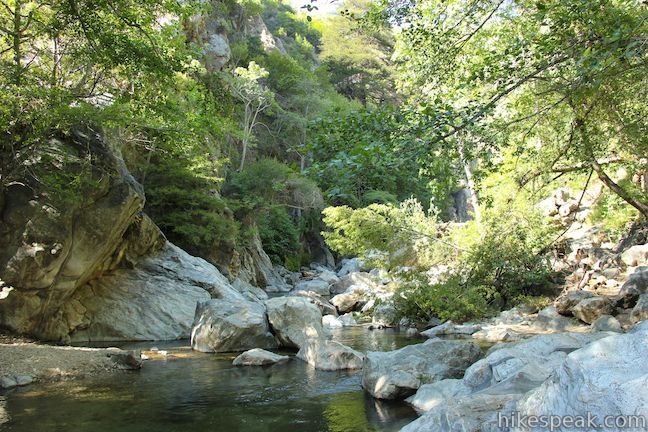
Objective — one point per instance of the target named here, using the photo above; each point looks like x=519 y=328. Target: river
x=190 y=391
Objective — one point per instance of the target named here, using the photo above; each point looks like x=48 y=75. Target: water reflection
x=190 y=391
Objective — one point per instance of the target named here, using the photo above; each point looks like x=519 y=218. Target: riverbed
x=187 y=391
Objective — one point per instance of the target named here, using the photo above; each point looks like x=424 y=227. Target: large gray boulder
x=318 y=286
x=330 y=355
x=349 y=266
x=398 y=374
x=355 y=278
x=609 y=377
x=294 y=320
x=223 y=325
x=384 y=315
x=258 y=357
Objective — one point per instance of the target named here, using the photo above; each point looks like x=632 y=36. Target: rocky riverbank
x=24 y=362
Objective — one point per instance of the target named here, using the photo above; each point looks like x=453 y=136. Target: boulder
x=398 y=374
x=548 y=319
x=249 y=291
x=156 y=300
x=497 y=333
x=565 y=303
x=331 y=321
x=10 y=381
x=636 y=285
x=640 y=311
x=348 y=320
x=330 y=355
x=608 y=377
x=325 y=307
x=258 y=357
x=355 y=278
x=328 y=276
x=294 y=320
x=450 y=328
x=635 y=256
x=349 y=266
x=589 y=310
x=317 y=286
x=384 y=315
x=607 y=323
x=216 y=52
x=429 y=396
x=225 y=326
x=473 y=413
x=348 y=301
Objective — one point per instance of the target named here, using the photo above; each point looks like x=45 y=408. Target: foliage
x=420 y=300
x=279 y=234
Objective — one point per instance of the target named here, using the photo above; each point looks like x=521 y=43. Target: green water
x=190 y=391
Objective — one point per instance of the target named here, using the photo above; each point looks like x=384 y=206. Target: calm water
x=191 y=391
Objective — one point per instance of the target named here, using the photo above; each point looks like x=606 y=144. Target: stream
x=191 y=391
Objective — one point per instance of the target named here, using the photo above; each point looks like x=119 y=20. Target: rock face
x=258 y=357
x=398 y=374
x=154 y=301
x=330 y=355
x=294 y=320
x=607 y=377
x=640 y=311
x=225 y=325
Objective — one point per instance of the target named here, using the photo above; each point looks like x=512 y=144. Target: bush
x=450 y=300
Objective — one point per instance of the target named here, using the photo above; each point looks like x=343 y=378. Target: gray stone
x=565 y=303
x=330 y=355
x=348 y=320
x=348 y=301
x=635 y=256
x=607 y=377
x=226 y=326
x=294 y=320
x=384 y=315
x=607 y=323
x=398 y=374
x=325 y=307
x=589 y=310
x=640 y=311
x=258 y=357
x=450 y=328
x=349 y=266
x=331 y=321
x=355 y=278
x=636 y=285
x=429 y=396
x=317 y=286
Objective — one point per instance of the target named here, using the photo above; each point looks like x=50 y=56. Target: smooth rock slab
x=330 y=355
x=607 y=377
x=258 y=357
x=398 y=374
x=294 y=320
x=226 y=326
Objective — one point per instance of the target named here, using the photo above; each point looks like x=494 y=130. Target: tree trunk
x=622 y=193
x=470 y=182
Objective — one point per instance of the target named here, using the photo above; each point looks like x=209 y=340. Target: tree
x=567 y=75
x=245 y=86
